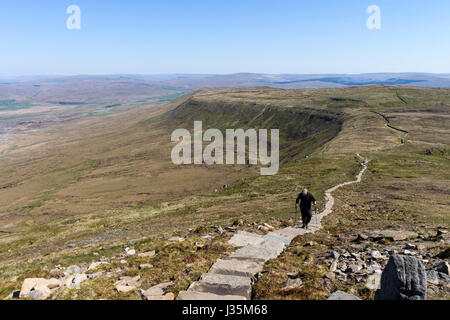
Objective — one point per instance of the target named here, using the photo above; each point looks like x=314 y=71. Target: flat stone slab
x=223 y=285
x=274 y=237
x=242 y=239
x=192 y=295
x=255 y=252
x=272 y=245
x=289 y=233
x=237 y=267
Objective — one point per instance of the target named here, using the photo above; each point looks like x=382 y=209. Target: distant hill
x=100 y=89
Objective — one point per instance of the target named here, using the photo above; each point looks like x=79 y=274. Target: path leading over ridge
x=231 y=278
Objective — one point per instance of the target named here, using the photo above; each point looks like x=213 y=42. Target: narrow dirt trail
x=388 y=123
x=231 y=278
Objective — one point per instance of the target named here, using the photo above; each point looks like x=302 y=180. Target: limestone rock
x=393 y=235
x=433 y=277
x=94 y=265
x=73 y=269
x=340 y=295
x=44 y=285
x=145 y=266
x=442 y=267
x=293 y=284
x=373 y=281
x=175 y=239
x=147 y=254
x=403 y=278
x=158 y=290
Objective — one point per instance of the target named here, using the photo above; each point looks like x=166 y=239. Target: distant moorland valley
x=86 y=181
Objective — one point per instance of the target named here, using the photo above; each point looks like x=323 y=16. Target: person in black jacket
x=306 y=199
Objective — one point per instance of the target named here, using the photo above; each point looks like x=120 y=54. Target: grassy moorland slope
x=112 y=185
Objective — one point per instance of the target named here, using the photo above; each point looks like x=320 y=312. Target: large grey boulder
x=403 y=278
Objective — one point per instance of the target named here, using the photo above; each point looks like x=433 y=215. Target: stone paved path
x=231 y=278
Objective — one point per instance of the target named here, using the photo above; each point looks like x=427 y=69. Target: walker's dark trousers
x=306 y=216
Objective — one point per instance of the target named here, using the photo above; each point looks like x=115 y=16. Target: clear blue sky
x=223 y=36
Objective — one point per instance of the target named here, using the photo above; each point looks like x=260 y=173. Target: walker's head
x=305 y=191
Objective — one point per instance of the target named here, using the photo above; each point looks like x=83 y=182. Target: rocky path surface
x=231 y=278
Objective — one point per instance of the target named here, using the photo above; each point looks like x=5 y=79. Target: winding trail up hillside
x=231 y=278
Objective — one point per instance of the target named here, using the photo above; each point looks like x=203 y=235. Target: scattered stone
x=73 y=269
x=373 y=281
x=94 y=265
x=156 y=291
x=335 y=254
x=340 y=295
x=175 y=239
x=43 y=285
x=130 y=251
x=309 y=244
x=444 y=277
x=393 y=235
x=330 y=275
x=268 y=226
x=199 y=245
x=122 y=288
x=123 y=261
x=410 y=246
x=71 y=245
x=376 y=254
x=167 y=296
x=403 y=278
x=145 y=266
x=373 y=267
x=293 y=284
x=74 y=282
x=442 y=267
x=333 y=266
x=147 y=254
x=353 y=269
x=433 y=277
x=94 y=275
x=361 y=237
x=127 y=284
x=39 y=293
x=444 y=254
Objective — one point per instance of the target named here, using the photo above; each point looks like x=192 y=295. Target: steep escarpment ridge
x=302 y=130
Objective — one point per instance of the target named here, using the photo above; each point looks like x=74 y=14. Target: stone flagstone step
x=237 y=267
x=223 y=285
x=192 y=295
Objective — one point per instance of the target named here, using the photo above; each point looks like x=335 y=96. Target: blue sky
x=228 y=36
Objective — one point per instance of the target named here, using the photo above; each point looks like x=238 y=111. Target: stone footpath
x=232 y=277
